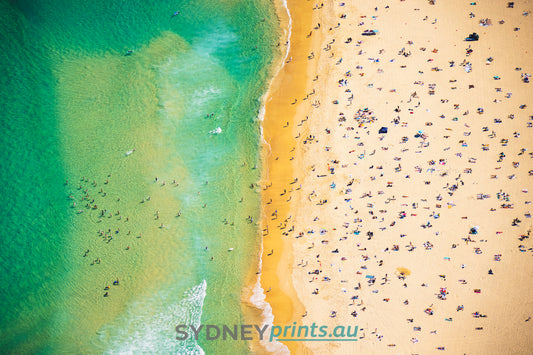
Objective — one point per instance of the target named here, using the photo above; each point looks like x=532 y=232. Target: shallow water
x=87 y=129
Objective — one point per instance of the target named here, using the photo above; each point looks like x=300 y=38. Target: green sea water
x=137 y=168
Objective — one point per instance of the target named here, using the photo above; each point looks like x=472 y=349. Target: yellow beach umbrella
x=403 y=271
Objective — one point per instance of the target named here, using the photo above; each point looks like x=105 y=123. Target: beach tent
x=383 y=130
x=369 y=32
x=472 y=37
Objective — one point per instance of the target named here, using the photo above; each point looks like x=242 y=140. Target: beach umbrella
x=383 y=130
x=403 y=271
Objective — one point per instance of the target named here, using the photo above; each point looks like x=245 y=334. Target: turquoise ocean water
x=137 y=168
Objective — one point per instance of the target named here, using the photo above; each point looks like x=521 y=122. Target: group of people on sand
x=358 y=160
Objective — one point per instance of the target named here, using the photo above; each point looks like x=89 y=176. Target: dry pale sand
x=367 y=203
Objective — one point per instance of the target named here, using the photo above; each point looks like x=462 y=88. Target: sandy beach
x=397 y=169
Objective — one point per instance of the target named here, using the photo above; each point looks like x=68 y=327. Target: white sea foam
x=258 y=297
x=217 y=37
x=193 y=83
x=262 y=110
x=148 y=325
x=287 y=34
x=217 y=130
x=288 y=31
